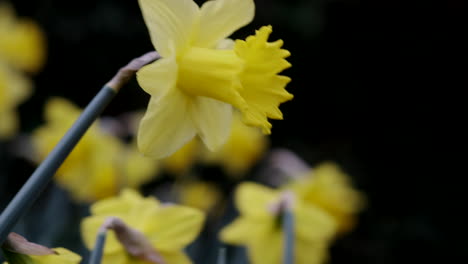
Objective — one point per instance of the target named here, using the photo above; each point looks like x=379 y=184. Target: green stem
x=96 y=255
x=221 y=256
x=46 y=170
x=288 y=228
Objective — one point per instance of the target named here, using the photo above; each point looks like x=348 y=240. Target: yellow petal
x=122 y=204
x=158 y=77
x=225 y=44
x=313 y=224
x=8 y=124
x=14 y=89
x=212 y=119
x=22 y=43
x=171 y=257
x=268 y=249
x=170 y=23
x=230 y=15
x=166 y=126
x=62 y=255
x=183 y=159
x=253 y=200
x=119 y=257
x=263 y=89
x=311 y=252
x=239 y=232
x=173 y=227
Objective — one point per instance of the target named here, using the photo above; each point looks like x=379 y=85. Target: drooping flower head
x=202 y=74
x=18 y=250
x=167 y=228
x=259 y=228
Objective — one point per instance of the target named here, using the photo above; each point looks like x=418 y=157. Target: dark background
x=372 y=84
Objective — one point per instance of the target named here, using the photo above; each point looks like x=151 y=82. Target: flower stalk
x=288 y=227
x=42 y=175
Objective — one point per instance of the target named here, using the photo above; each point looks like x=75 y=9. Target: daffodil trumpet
x=46 y=170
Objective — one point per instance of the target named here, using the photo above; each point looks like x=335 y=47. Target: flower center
x=211 y=73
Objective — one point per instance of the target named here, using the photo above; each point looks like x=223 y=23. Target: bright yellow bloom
x=200 y=77
x=201 y=195
x=14 y=89
x=329 y=188
x=169 y=228
x=243 y=148
x=22 y=42
x=100 y=165
x=61 y=256
x=259 y=227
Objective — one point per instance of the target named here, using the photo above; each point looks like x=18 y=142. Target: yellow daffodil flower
x=100 y=165
x=243 y=148
x=14 y=89
x=22 y=42
x=201 y=195
x=169 y=228
x=259 y=227
x=202 y=74
x=329 y=188
x=134 y=169
x=183 y=159
x=61 y=256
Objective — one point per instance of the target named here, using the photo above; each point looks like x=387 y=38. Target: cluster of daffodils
x=21 y=49
x=324 y=205
x=100 y=165
x=211 y=101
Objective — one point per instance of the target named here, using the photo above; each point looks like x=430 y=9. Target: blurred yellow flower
x=22 y=43
x=61 y=256
x=329 y=188
x=21 y=48
x=244 y=147
x=183 y=159
x=169 y=228
x=100 y=165
x=14 y=89
x=134 y=168
x=202 y=75
x=259 y=227
x=201 y=195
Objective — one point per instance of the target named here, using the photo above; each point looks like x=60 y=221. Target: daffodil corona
x=202 y=74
